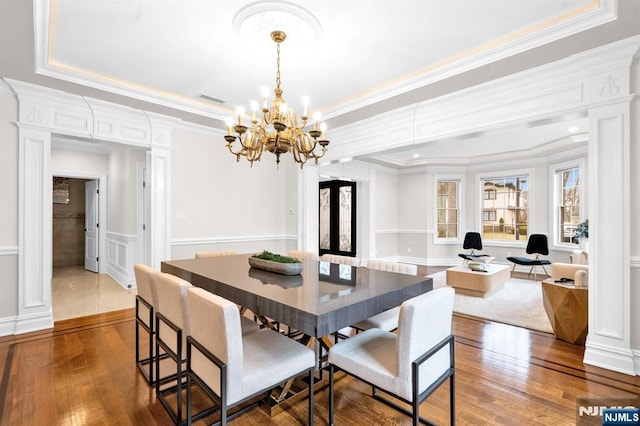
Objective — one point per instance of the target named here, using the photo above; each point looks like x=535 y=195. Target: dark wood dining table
x=323 y=299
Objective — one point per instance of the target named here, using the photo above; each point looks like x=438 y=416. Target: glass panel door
x=337 y=228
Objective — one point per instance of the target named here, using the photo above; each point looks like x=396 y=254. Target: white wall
x=386 y=213
x=8 y=169
x=219 y=204
x=8 y=206
x=79 y=162
x=414 y=216
x=122 y=191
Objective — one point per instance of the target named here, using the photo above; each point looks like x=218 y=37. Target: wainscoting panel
x=121 y=256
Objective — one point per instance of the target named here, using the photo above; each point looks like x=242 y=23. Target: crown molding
x=599 y=12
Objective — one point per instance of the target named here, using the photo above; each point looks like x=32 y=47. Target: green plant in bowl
x=274 y=257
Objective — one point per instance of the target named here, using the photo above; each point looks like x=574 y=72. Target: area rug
x=519 y=303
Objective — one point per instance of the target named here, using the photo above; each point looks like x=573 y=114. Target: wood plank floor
x=83 y=372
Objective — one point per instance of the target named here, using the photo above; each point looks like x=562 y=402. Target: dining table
x=322 y=299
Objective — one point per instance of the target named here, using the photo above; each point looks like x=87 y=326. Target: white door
x=91 y=225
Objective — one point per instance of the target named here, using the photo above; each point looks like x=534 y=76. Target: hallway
x=76 y=292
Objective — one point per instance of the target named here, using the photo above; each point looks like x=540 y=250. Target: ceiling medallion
x=253 y=23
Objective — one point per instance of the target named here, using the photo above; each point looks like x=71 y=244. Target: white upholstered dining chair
x=203 y=254
x=409 y=365
x=303 y=255
x=387 y=320
x=231 y=368
x=146 y=302
x=172 y=327
x=342 y=260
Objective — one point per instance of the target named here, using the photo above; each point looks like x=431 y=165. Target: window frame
x=459 y=179
x=497 y=174
x=554 y=180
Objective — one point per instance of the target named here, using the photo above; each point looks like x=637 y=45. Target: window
x=568 y=203
x=505 y=214
x=447 y=208
x=489 y=215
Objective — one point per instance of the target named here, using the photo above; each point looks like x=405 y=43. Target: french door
x=337 y=218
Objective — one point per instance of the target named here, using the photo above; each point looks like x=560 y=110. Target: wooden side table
x=567 y=308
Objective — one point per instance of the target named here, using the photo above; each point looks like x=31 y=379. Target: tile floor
x=77 y=292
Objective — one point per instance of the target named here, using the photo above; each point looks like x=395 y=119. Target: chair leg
x=188 y=394
x=545 y=270
x=311 y=398
x=331 y=372
x=452 y=399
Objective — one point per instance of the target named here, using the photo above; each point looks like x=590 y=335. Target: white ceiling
x=365 y=57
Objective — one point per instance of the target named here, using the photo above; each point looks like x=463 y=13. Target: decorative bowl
x=277 y=267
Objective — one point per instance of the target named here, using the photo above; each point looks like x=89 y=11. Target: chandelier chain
x=278 y=67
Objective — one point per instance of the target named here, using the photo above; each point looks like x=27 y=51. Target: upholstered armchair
x=570 y=272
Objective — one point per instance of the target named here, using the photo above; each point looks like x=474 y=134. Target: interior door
x=337 y=227
x=91 y=225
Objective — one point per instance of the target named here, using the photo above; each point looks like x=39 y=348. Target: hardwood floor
x=83 y=372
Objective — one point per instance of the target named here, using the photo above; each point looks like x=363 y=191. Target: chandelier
x=278 y=131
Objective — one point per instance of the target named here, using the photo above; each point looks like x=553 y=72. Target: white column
x=160 y=177
x=160 y=168
x=34 y=233
x=609 y=340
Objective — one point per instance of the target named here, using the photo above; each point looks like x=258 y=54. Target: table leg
x=287 y=386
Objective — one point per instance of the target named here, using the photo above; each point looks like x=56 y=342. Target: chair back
x=385 y=265
x=145 y=283
x=215 y=324
x=538 y=244
x=342 y=260
x=173 y=304
x=303 y=255
x=472 y=240
x=203 y=254
x=423 y=322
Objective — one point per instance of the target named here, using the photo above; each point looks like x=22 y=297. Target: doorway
x=80 y=285
x=70 y=227
x=338 y=224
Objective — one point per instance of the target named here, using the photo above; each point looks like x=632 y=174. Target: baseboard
x=611 y=358
x=34 y=322
x=7 y=326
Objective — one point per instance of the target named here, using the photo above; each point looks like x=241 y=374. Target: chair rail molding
x=42 y=112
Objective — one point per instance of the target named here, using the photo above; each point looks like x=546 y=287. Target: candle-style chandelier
x=278 y=131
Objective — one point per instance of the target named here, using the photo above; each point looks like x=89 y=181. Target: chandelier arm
x=230 y=147
x=317 y=157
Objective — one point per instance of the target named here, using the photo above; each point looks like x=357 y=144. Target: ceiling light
x=573 y=129
x=278 y=130
x=416 y=155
